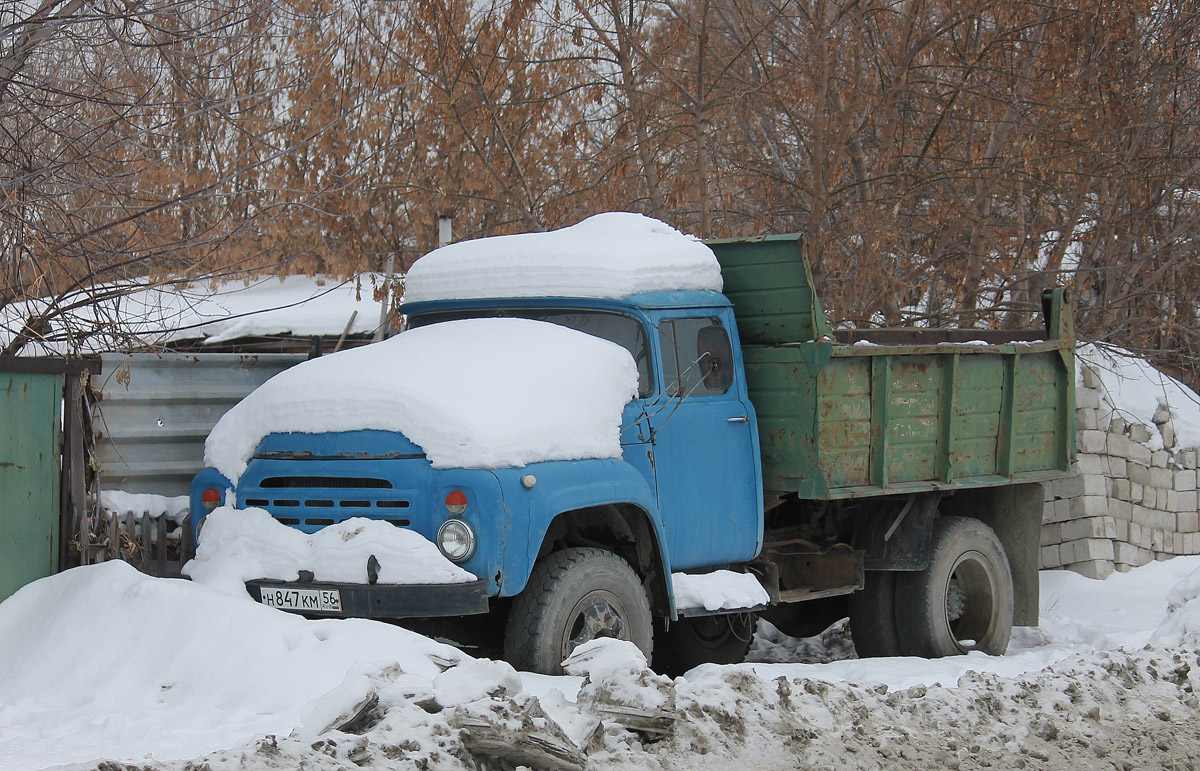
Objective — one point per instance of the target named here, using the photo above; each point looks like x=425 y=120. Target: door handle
x=739 y=419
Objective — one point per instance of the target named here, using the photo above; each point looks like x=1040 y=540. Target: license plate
x=304 y=600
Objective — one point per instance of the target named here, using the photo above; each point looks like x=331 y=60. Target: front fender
x=208 y=478
x=562 y=486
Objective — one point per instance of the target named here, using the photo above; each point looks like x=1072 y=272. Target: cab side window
x=697 y=356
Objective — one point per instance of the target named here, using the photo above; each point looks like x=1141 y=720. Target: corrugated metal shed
x=155 y=412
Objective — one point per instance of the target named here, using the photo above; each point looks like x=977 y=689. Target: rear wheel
x=873 y=616
x=574 y=596
x=963 y=601
x=690 y=642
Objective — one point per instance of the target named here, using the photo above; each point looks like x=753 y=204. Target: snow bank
x=103 y=661
x=1138 y=393
x=479 y=393
x=244 y=544
x=297 y=305
x=158 y=315
x=476 y=679
x=718 y=590
x=608 y=255
x=615 y=672
x=605 y=658
x=1122 y=610
x=1182 y=624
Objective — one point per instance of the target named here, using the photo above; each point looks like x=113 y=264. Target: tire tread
x=526 y=620
x=914 y=610
x=873 y=617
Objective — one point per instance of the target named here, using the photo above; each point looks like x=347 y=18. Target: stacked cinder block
x=1127 y=504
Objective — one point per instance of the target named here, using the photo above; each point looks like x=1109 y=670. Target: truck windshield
x=617 y=328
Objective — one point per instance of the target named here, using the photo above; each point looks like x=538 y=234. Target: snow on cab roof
x=477 y=393
x=609 y=255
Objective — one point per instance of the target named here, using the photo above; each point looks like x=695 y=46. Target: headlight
x=456 y=539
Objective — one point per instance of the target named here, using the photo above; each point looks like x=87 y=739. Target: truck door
x=705 y=447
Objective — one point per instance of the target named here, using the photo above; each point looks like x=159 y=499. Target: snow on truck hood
x=241 y=545
x=609 y=255
x=478 y=393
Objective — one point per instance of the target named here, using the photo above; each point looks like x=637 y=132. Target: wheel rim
x=971 y=590
x=597 y=615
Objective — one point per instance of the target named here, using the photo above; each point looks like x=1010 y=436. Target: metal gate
x=40 y=475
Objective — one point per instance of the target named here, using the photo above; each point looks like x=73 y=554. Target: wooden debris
x=358 y=719
x=653 y=724
x=518 y=735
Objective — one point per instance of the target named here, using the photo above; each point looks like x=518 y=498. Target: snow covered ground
x=103 y=663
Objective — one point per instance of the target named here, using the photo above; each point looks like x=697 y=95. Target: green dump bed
x=882 y=411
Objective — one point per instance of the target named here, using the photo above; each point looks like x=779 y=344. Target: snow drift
x=1137 y=392
x=104 y=656
x=103 y=662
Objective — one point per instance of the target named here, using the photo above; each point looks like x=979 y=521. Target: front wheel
x=963 y=601
x=573 y=596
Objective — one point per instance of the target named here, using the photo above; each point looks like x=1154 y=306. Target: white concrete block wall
x=1126 y=504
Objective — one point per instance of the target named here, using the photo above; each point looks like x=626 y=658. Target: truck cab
x=690 y=433
x=685 y=492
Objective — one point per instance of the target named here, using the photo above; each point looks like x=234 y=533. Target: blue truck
x=891 y=475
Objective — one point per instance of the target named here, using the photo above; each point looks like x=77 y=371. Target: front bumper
x=388 y=600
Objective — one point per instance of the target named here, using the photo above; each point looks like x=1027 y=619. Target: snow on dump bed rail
x=242 y=545
x=479 y=393
x=611 y=255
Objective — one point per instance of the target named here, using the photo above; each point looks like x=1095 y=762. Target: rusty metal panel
x=914 y=417
x=1037 y=403
x=30 y=440
x=783 y=387
x=844 y=416
x=976 y=414
x=155 y=412
x=844 y=421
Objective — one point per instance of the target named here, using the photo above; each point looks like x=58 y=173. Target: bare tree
x=946 y=160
